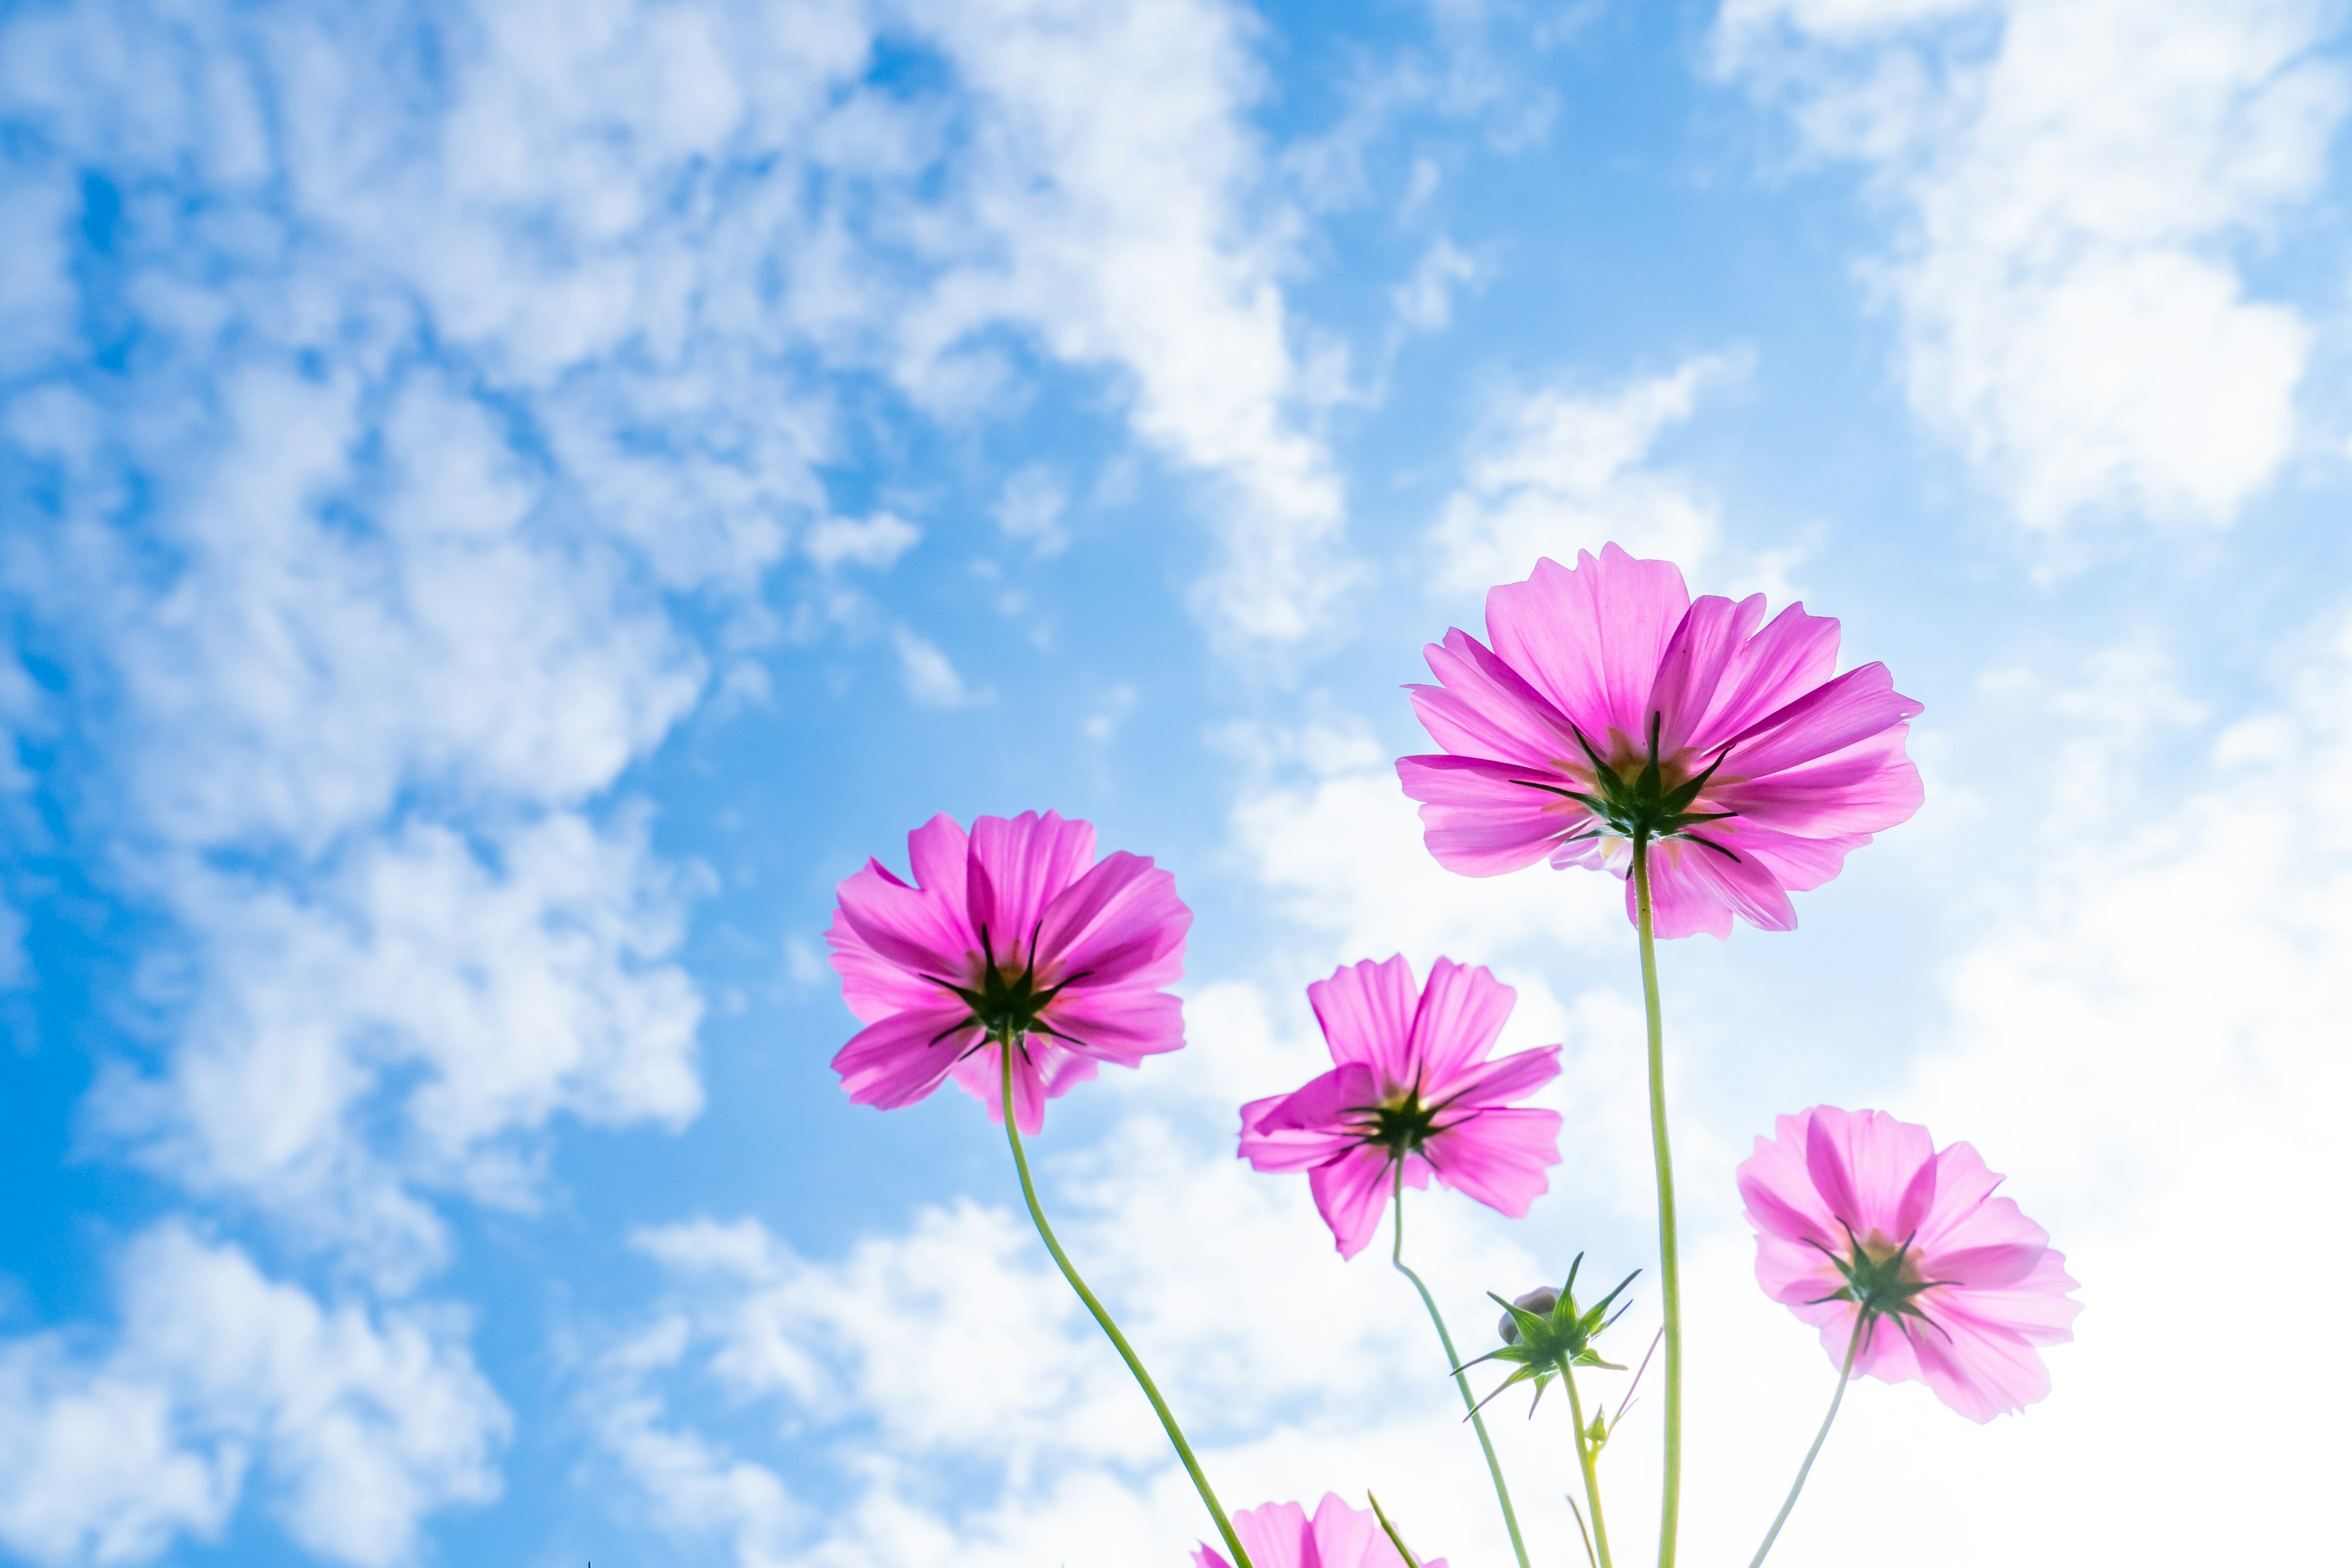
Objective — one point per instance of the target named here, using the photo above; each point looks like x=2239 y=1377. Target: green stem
x=1669 y=1263
x=1005 y=1048
x=1845 y=1373
x=1584 y=1463
x=1469 y=1400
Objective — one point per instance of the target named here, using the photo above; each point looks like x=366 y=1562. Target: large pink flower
x=1857 y=1212
x=1014 y=931
x=1413 y=1084
x=1280 y=1535
x=1610 y=702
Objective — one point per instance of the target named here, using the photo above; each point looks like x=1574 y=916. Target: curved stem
x=1584 y=1463
x=1126 y=1352
x=1469 y=1400
x=1669 y=1263
x=1845 y=1373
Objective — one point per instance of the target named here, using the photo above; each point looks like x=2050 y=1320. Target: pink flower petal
x=1123 y=1024
x=1119 y=922
x=1833 y=716
x=1590 y=639
x=1352 y=1193
x=1514 y=1077
x=1367 y=1011
x=1499 y=1156
x=1478 y=820
x=911 y=927
x=1015 y=868
x=904 y=1057
x=1462 y=1013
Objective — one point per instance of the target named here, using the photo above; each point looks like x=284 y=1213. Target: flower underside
x=1640 y=804
x=1884 y=1281
x=1006 y=1003
x=1546 y=1333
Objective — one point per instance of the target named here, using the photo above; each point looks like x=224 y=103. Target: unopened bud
x=1539 y=1300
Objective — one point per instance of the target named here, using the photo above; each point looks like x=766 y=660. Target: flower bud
x=1541 y=1299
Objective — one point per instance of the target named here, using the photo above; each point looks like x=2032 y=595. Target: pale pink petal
x=1122 y=1025
x=1367 y=1011
x=911 y=927
x=1462 y=1013
x=1682 y=903
x=1015 y=868
x=1483 y=707
x=1498 y=1156
x=1789 y=658
x=1514 y=1077
x=1691 y=682
x=1590 y=639
x=1868 y=787
x=1741 y=882
x=872 y=986
x=902 y=1058
x=1479 y=820
x=1352 y=1193
x=1797 y=864
x=1121 y=922
x=1833 y=716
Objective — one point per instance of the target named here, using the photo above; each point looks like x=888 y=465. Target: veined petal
x=1042 y=1069
x=872 y=986
x=1015 y=868
x=913 y=927
x=1478 y=821
x=1461 y=1014
x=1590 y=639
x=1691 y=679
x=902 y=1058
x=1484 y=708
x=1367 y=1010
x=1122 y=1024
x=1352 y=1193
x=1792 y=654
x=1829 y=718
x=1868 y=787
x=1323 y=1103
x=1509 y=1078
x=1498 y=1155
x=1117 y=923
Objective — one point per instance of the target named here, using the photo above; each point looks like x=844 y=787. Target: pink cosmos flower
x=1611 y=703
x=1413 y=1084
x=1013 y=932
x=1280 y=1535
x=1857 y=1213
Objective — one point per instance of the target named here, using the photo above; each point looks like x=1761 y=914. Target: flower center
x=1005 y=1002
x=1881 y=1277
x=1401 y=1123
x=1639 y=796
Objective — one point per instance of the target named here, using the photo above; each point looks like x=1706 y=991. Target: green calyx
x=1637 y=802
x=1006 y=1003
x=1884 y=1281
x=1545 y=1333
x=1400 y=1126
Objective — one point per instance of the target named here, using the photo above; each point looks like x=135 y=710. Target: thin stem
x=1394 y=1538
x=1126 y=1352
x=1469 y=1400
x=1845 y=1373
x=1584 y=1463
x=1669 y=1262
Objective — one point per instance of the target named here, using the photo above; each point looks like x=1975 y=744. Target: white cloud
x=1425 y=301
x=1563 y=469
x=877 y=541
x=1115 y=189
x=453 y=999
x=1030 y=505
x=354 y=1426
x=929 y=675
x=2073 y=182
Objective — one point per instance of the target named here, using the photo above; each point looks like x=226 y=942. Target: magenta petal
x=1117 y=922
x=1691 y=679
x=911 y=927
x=1833 y=716
x=1590 y=639
x=1462 y=1013
x=902 y=1058
x=1367 y=1011
x=1123 y=1025
x=872 y=986
x=1481 y=705
x=1323 y=1103
x=1682 y=901
x=1015 y=868
x=1499 y=1156
x=1478 y=820
x=1514 y=1077
x=1352 y=1193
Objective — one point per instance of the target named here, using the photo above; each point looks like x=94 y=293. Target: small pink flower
x=1857 y=1212
x=1413 y=1084
x=1016 y=930
x=1280 y=1535
x=1612 y=702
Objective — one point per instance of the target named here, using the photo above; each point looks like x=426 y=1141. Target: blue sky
x=501 y=508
